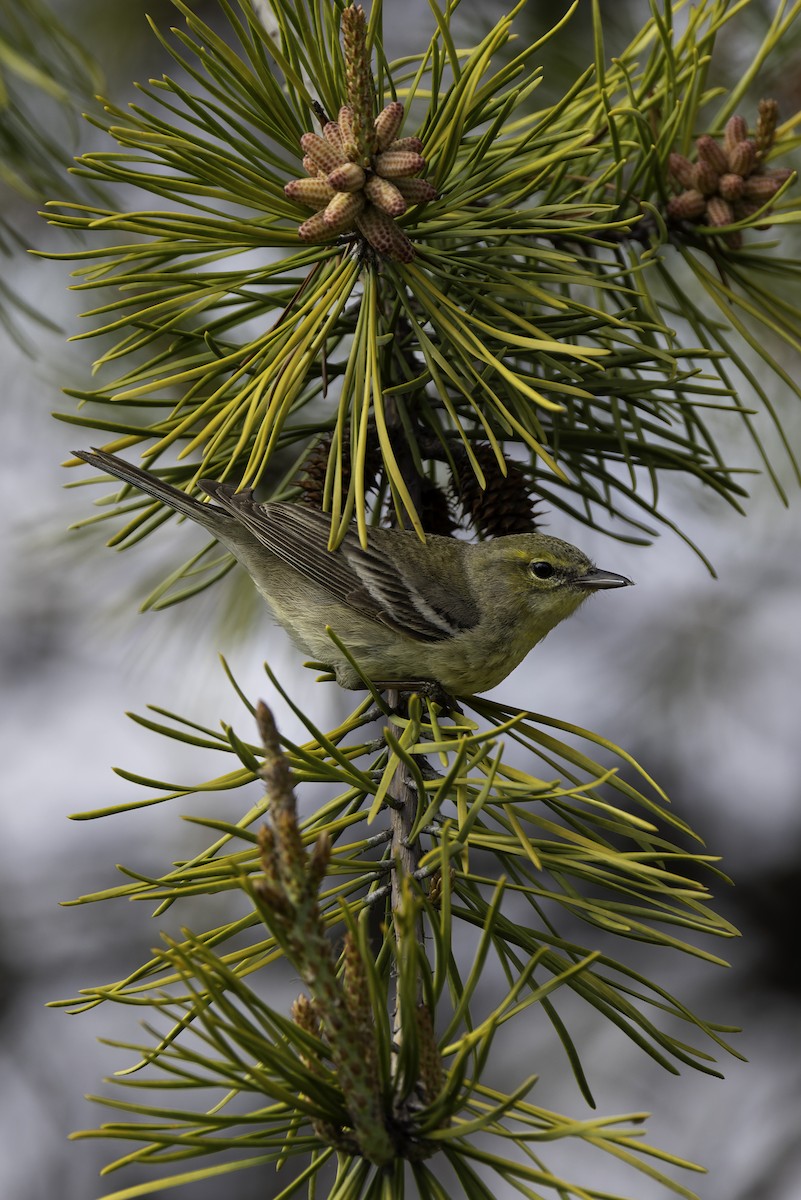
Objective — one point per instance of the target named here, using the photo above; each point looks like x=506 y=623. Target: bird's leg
x=428 y=688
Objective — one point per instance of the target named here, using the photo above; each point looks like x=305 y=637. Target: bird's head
x=551 y=579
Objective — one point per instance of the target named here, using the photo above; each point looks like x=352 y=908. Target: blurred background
x=698 y=678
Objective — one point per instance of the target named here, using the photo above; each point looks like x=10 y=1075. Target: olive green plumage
x=458 y=614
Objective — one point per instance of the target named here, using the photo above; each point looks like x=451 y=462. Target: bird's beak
x=596 y=579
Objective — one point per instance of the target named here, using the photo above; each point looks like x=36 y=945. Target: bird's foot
x=429 y=689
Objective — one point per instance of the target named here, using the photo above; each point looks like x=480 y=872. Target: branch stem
x=406 y=855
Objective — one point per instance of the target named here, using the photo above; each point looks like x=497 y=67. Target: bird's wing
x=366 y=580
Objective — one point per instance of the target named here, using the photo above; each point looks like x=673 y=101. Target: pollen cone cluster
x=361 y=190
x=728 y=181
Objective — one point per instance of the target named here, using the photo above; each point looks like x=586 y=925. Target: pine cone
x=311 y=476
x=504 y=505
x=435 y=510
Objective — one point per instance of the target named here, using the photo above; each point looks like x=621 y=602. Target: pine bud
x=401 y=249
x=416 y=191
x=384 y=235
x=314 y=193
x=393 y=163
x=341 y=212
x=742 y=157
x=736 y=132
x=719 y=211
x=358 y=80
x=435 y=888
x=764 y=187
x=345 y=121
x=377 y=228
x=712 y=152
x=385 y=196
x=682 y=170
x=731 y=187
x=315 y=229
x=349 y=177
x=276 y=901
x=407 y=143
x=333 y=135
x=766 y=126
x=687 y=206
x=304 y=1015
x=322 y=153
x=356 y=988
x=318 y=861
x=431 y=1070
x=387 y=124
x=310 y=167
x=706 y=177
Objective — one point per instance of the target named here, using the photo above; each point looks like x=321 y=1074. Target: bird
x=453 y=615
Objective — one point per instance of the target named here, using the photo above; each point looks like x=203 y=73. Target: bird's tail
x=208 y=515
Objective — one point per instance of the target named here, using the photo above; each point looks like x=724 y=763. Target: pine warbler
x=457 y=614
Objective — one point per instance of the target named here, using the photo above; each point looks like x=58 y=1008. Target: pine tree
x=406 y=294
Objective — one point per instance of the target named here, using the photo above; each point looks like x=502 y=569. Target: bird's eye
x=542 y=570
